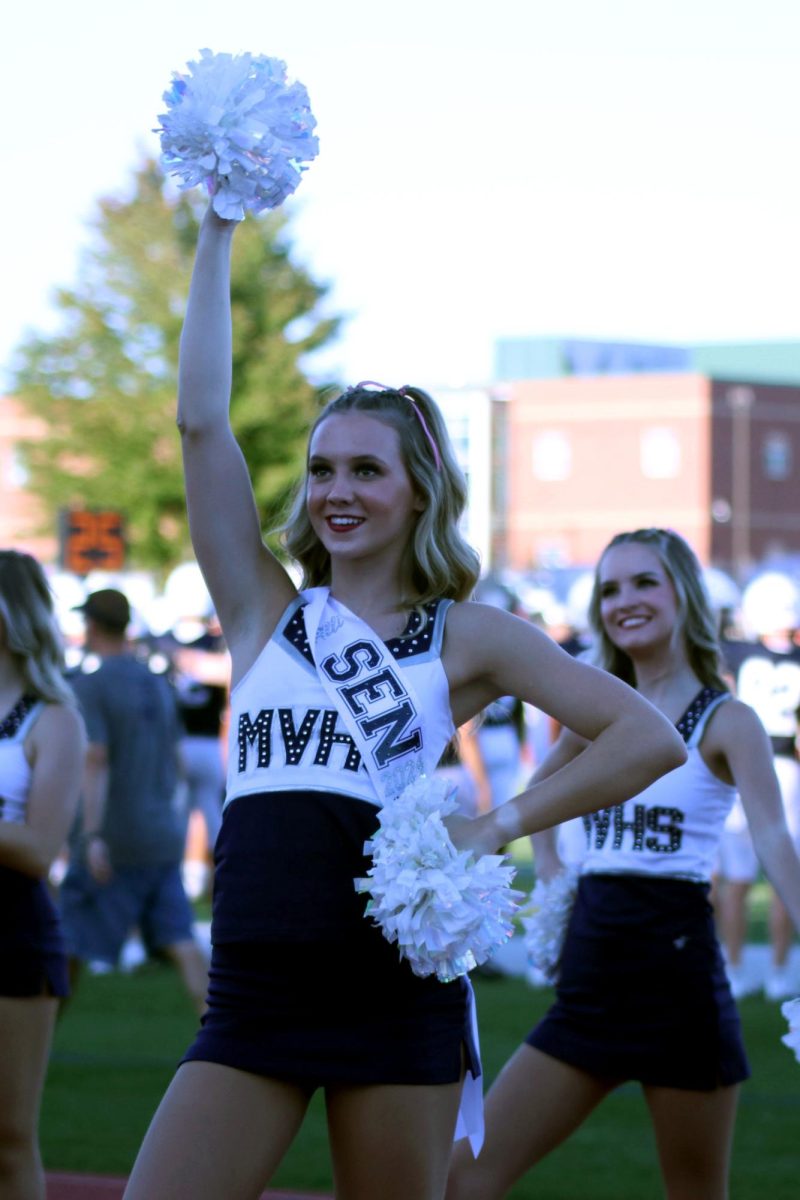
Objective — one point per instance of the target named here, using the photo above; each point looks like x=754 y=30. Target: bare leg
x=392 y=1141
x=26 y=1029
x=193 y=968
x=535 y=1103
x=733 y=918
x=694 y=1134
x=217 y=1132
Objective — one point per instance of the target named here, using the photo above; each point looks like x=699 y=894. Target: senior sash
x=385 y=719
x=376 y=702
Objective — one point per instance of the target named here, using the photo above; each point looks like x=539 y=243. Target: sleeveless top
x=285 y=735
x=671 y=829
x=15 y=771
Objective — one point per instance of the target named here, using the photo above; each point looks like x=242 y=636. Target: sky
x=627 y=169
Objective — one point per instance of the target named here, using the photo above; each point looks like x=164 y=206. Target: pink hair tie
x=403 y=391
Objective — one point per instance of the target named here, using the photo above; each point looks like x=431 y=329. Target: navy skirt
x=32 y=958
x=303 y=987
x=642 y=992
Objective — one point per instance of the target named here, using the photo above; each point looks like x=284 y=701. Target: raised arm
x=248 y=585
x=630 y=743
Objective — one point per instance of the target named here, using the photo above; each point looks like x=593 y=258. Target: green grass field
x=119 y=1040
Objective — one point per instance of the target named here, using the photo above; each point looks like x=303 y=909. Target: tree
x=104 y=385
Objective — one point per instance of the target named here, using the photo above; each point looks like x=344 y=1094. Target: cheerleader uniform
x=302 y=987
x=642 y=992
x=32 y=958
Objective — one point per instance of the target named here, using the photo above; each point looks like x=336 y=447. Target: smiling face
x=638 y=602
x=359 y=496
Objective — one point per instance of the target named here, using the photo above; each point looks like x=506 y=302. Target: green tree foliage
x=104 y=385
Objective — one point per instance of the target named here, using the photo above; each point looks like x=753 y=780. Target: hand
x=98 y=860
x=480 y=835
x=212 y=220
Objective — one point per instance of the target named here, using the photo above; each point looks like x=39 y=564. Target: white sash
x=385 y=720
x=377 y=704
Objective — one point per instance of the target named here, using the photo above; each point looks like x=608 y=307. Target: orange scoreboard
x=91 y=540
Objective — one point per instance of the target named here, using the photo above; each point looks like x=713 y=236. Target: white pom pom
x=545 y=919
x=446 y=911
x=235 y=125
x=791 y=1011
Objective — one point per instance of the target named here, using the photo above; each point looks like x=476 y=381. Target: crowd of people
x=382 y=666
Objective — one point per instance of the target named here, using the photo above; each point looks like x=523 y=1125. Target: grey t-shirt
x=132 y=712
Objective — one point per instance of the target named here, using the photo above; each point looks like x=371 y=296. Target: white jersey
x=671 y=829
x=15 y=771
x=285 y=734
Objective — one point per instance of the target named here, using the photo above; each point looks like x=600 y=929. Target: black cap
x=108 y=607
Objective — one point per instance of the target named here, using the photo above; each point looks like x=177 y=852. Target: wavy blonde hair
x=439 y=562
x=698 y=625
x=29 y=629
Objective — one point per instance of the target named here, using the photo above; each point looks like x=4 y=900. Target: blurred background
x=575 y=225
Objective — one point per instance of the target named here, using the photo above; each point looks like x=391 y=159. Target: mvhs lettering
x=655 y=829
x=272 y=730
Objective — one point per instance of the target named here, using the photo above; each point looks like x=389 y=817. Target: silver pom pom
x=791 y=1012
x=545 y=918
x=446 y=911
x=237 y=126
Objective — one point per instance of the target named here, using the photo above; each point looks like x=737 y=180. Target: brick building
x=589 y=455
x=21 y=517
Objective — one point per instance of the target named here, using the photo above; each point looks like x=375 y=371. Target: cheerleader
x=642 y=992
x=41 y=759
x=341 y=692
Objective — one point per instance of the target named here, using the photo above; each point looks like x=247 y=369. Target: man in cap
x=124 y=869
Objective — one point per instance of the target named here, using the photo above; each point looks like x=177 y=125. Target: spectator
x=124 y=871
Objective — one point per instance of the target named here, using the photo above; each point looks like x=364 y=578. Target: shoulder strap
x=16 y=725
x=693 y=724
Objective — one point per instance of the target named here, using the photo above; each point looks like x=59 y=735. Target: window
x=660 y=453
x=16 y=472
x=552 y=456
x=776 y=456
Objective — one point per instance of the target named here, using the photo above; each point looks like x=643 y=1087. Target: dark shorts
x=320 y=998
x=98 y=918
x=32 y=958
x=643 y=993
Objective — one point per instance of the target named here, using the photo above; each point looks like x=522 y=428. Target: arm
x=211 y=667
x=95 y=797
x=547 y=860
x=55 y=752
x=630 y=743
x=91 y=693
x=738 y=735
x=249 y=587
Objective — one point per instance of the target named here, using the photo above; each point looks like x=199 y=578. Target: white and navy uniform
x=32 y=959
x=302 y=987
x=642 y=992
